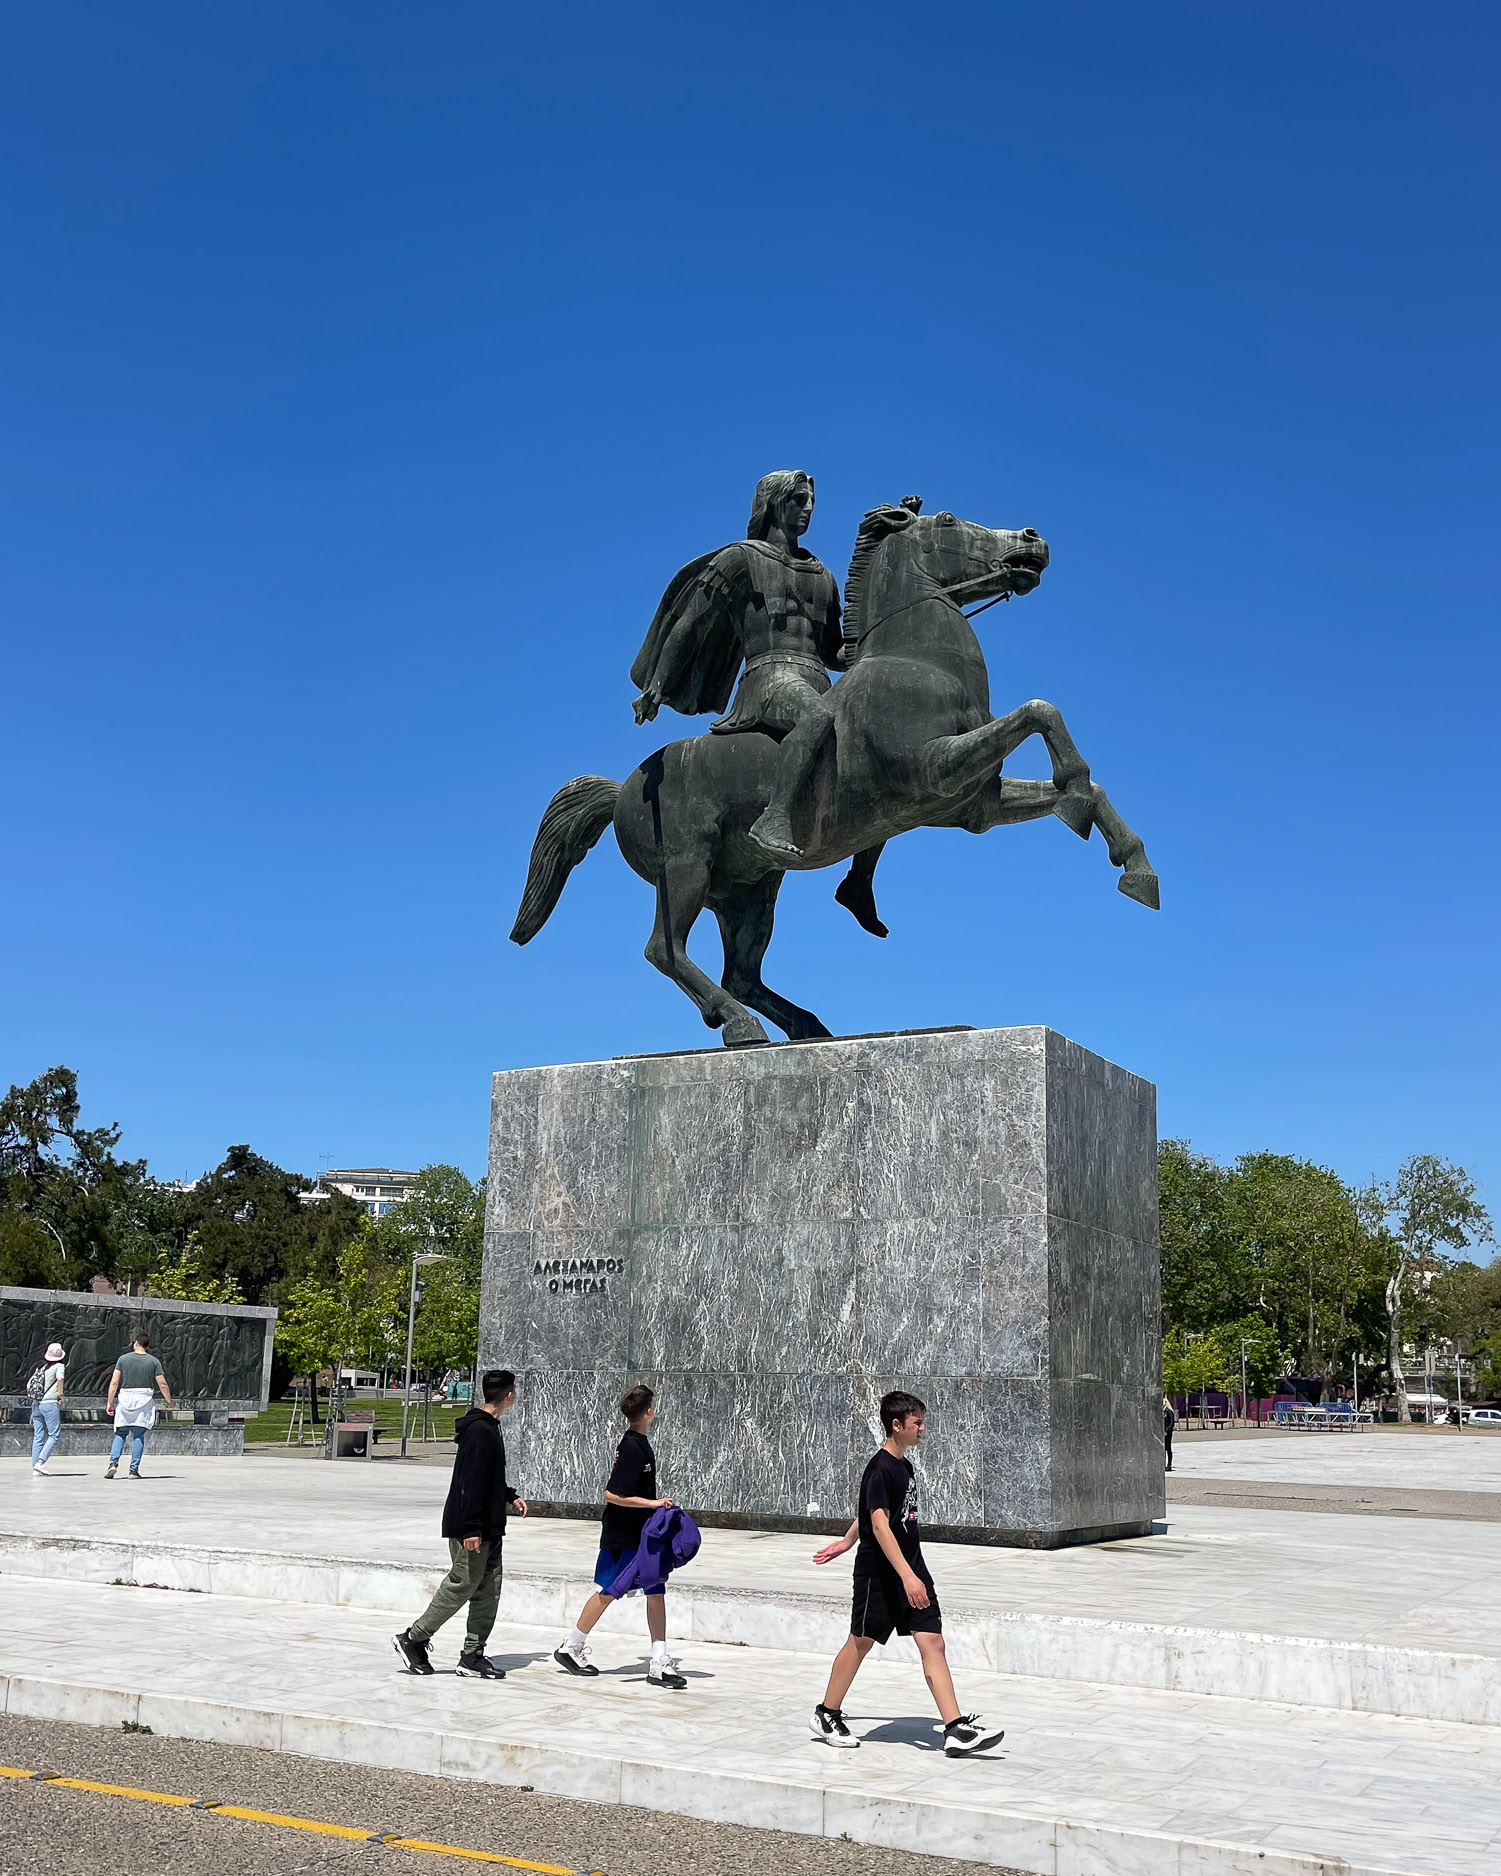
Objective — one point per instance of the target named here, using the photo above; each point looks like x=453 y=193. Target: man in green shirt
x=132 y=1403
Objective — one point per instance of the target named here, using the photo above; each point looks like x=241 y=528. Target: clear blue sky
x=369 y=368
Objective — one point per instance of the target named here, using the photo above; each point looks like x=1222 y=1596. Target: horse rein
x=946 y=594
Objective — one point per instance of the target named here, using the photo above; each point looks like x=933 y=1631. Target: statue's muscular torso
x=786 y=608
x=785 y=603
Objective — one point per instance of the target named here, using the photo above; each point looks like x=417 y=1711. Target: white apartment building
x=378 y=1188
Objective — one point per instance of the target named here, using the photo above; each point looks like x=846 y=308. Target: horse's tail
x=574 y=819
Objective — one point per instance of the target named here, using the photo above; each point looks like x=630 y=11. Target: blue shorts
x=609 y=1566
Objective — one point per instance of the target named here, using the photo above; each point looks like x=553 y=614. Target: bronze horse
x=913 y=745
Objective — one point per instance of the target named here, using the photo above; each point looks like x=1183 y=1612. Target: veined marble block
x=773 y=1237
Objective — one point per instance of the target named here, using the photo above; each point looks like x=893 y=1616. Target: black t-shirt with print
x=889 y=1485
x=634 y=1476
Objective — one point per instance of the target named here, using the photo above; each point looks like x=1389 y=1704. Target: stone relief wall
x=211 y=1353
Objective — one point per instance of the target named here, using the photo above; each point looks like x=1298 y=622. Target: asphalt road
x=46 y=1830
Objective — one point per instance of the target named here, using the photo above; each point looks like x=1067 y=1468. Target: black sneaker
x=969 y=1733
x=481 y=1667
x=413 y=1652
x=576 y=1660
x=828 y=1725
x=663 y=1672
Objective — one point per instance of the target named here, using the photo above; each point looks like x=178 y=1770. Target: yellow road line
x=292 y=1823
x=220 y=1809
x=120 y=1791
x=481 y=1856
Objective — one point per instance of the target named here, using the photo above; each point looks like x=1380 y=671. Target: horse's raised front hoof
x=1075 y=808
x=857 y=898
x=740 y=1032
x=772 y=833
x=1142 y=887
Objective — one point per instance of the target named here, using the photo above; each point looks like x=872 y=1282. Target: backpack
x=36 y=1383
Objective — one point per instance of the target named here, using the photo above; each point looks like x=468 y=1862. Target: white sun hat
x=55 y=1353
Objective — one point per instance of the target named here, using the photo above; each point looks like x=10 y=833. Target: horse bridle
x=948 y=592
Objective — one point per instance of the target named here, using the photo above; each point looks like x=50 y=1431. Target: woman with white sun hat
x=46 y=1390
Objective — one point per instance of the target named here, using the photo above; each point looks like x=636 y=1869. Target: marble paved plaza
x=1425 y=1459
x=1241 y=1686
x=1091 y=1780
x=1399 y=1583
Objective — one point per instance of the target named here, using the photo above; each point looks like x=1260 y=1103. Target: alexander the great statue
x=801 y=773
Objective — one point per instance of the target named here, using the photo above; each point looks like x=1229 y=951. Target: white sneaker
x=828 y=1725
x=663 y=1672
x=576 y=1660
x=969 y=1733
x=41 y=1470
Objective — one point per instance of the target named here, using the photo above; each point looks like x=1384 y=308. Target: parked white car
x=1483 y=1416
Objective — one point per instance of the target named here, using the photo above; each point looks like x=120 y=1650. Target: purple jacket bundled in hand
x=670 y=1539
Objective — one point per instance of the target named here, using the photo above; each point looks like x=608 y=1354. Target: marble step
x=1353 y=1677
x=1090 y=1781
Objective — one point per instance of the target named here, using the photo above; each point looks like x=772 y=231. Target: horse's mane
x=877 y=526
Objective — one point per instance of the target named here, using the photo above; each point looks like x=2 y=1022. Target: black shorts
x=881 y=1609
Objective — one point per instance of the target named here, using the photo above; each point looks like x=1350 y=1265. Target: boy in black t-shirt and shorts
x=893 y=1590
x=630 y=1499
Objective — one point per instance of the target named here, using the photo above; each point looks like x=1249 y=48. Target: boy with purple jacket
x=630 y=1499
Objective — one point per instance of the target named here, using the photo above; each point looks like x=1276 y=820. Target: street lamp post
x=418 y=1257
x=1243 y=1402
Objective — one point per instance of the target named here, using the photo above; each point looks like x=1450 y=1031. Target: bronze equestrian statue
x=803 y=773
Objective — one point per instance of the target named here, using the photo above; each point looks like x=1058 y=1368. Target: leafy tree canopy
x=61 y=1186
x=443 y=1211
x=253 y=1226
x=356 y=1315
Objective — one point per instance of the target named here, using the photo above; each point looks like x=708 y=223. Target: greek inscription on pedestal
x=578 y=1276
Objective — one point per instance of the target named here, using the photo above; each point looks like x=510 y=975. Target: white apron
x=135 y=1407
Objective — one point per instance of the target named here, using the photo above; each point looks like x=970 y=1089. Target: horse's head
x=971 y=562
x=959 y=559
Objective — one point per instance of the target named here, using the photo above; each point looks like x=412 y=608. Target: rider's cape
x=707 y=678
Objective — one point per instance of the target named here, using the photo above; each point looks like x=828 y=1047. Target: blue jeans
x=46 y=1423
x=137 y=1437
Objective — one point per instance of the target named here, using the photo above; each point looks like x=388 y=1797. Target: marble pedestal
x=773 y=1237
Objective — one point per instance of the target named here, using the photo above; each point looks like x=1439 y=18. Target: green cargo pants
x=473 y=1579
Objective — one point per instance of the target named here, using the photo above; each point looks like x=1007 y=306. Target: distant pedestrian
x=893 y=1592
x=474 y=1522
x=132 y=1402
x=630 y=1499
x=1169 y=1421
x=45 y=1389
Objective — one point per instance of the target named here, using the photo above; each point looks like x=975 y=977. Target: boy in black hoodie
x=474 y=1522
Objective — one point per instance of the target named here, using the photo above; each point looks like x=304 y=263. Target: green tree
x=1264 y=1359
x=447 y=1325
x=1191 y=1362
x=61 y=1186
x=1205 y=1279
x=1301 y=1234
x=444 y=1212
x=1272 y=1250
x=255 y=1227
x=1432 y=1210
x=353 y=1317
x=180 y=1274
